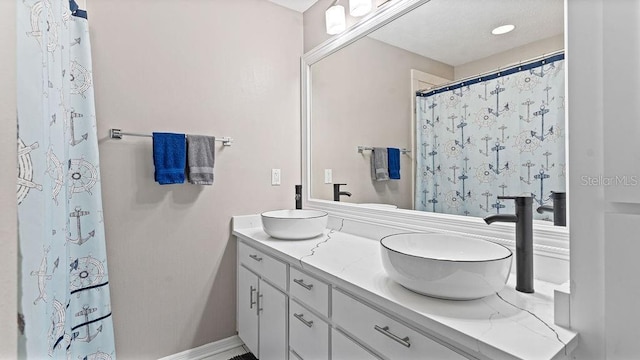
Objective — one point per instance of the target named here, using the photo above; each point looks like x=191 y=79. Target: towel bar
x=117 y=134
x=361 y=149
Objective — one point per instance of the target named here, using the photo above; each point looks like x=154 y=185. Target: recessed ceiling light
x=503 y=29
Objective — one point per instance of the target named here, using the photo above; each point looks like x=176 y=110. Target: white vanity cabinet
x=247 y=308
x=309 y=290
x=262 y=308
x=385 y=335
x=335 y=301
x=308 y=333
x=285 y=312
x=343 y=348
x=308 y=309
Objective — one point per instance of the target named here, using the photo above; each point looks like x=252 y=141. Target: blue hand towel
x=393 y=156
x=169 y=157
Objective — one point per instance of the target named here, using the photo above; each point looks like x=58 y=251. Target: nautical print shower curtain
x=65 y=310
x=498 y=134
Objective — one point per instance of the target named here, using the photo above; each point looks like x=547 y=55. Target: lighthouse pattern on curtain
x=499 y=134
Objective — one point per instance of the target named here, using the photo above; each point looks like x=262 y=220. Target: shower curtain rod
x=117 y=134
x=458 y=81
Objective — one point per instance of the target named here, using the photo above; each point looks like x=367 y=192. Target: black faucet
x=559 y=208
x=337 y=192
x=298 y=197
x=524 y=239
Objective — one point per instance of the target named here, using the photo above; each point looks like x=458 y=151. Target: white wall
x=8 y=231
x=225 y=68
x=511 y=56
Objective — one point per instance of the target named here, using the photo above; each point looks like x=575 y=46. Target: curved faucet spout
x=337 y=193
x=543 y=208
x=501 y=218
x=524 y=239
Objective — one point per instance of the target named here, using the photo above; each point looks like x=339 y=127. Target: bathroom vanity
x=330 y=298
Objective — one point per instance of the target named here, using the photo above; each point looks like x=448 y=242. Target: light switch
x=275 y=177
x=328 y=176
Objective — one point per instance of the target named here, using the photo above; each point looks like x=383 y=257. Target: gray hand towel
x=200 y=159
x=379 y=164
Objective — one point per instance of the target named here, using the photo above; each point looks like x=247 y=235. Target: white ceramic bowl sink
x=294 y=224
x=446 y=266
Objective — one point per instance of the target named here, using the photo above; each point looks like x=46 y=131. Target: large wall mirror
x=474 y=115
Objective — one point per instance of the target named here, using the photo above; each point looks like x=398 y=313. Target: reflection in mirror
x=481 y=115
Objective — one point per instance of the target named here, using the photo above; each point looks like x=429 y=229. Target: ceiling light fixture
x=335 y=19
x=359 y=7
x=503 y=29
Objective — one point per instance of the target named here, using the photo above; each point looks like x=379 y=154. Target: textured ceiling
x=459 y=31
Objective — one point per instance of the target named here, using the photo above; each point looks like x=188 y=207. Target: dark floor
x=247 y=356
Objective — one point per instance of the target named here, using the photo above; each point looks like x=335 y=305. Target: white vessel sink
x=294 y=224
x=446 y=266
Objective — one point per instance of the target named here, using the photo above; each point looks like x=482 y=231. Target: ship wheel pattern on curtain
x=64 y=296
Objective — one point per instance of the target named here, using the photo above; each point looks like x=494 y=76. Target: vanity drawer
x=264 y=265
x=385 y=335
x=343 y=348
x=309 y=290
x=308 y=334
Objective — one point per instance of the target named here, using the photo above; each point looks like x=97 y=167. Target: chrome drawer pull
x=301 y=318
x=301 y=283
x=255 y=257
x=259 y=307
x=385 y=330
x=251 y=302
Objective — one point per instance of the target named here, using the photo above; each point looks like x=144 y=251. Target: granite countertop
x=508 y=325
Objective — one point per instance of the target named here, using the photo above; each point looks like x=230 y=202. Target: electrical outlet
x=275 y=176
x=328 y=176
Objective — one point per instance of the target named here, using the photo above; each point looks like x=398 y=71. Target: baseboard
x=207 y=350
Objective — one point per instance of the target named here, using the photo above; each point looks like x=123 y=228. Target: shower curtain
x=65 y=309
x=497 y=134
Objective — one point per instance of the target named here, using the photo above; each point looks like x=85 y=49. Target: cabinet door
x=308 y=334
x=248 y=308
x=343 y=348
x=385 y=335
x=309 y=290
x=273 y=323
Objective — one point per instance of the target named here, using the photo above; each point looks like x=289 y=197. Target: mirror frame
x=549 y=240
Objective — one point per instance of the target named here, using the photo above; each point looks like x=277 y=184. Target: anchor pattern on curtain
x=65 y=309
x=499 y=134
